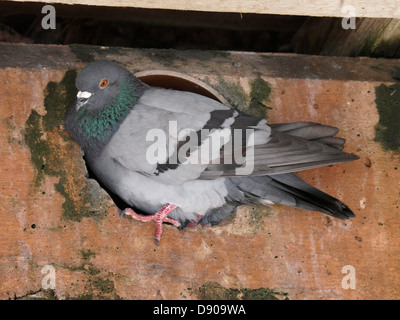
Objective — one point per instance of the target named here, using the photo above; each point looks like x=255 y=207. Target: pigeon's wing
x=174 y=136
x=291 y=147
x=150 y=138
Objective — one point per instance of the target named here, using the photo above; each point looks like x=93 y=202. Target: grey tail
x=288 y=189
x=295 y=191
x=310 y=198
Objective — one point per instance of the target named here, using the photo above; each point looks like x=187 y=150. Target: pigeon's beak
x=82 y=98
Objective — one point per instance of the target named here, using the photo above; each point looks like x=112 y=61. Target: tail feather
x=290 y=190
x=312 y=131
x=309 y=197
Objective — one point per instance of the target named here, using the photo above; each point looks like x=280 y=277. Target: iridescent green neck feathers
x=93 y=128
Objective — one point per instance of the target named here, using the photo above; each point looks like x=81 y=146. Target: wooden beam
x=322 y=8
x=372 y=37
x=160 y=17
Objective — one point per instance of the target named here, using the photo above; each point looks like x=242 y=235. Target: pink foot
x=194 y=223
x=159 y=217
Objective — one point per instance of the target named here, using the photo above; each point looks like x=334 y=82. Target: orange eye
x=103 y=83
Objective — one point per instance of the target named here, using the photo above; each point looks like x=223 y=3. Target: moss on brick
x=259 y=95
x=232 y=92
x=214 y=291
x=256 y=215
x=87 y=254
x=53 y=153
x=97 y=283
x=253 y=104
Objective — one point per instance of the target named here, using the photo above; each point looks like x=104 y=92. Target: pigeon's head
x=99 y=83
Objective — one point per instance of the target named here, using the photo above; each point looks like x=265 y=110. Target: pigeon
x=186 y=159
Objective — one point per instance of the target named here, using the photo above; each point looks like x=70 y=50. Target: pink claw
x=159 y=217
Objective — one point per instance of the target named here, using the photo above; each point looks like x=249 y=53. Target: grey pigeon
x=178 y=178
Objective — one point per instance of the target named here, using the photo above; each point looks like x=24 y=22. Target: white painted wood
x=319 y=8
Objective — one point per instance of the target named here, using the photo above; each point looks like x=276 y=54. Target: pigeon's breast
x=192 y=197
x=138 y=190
